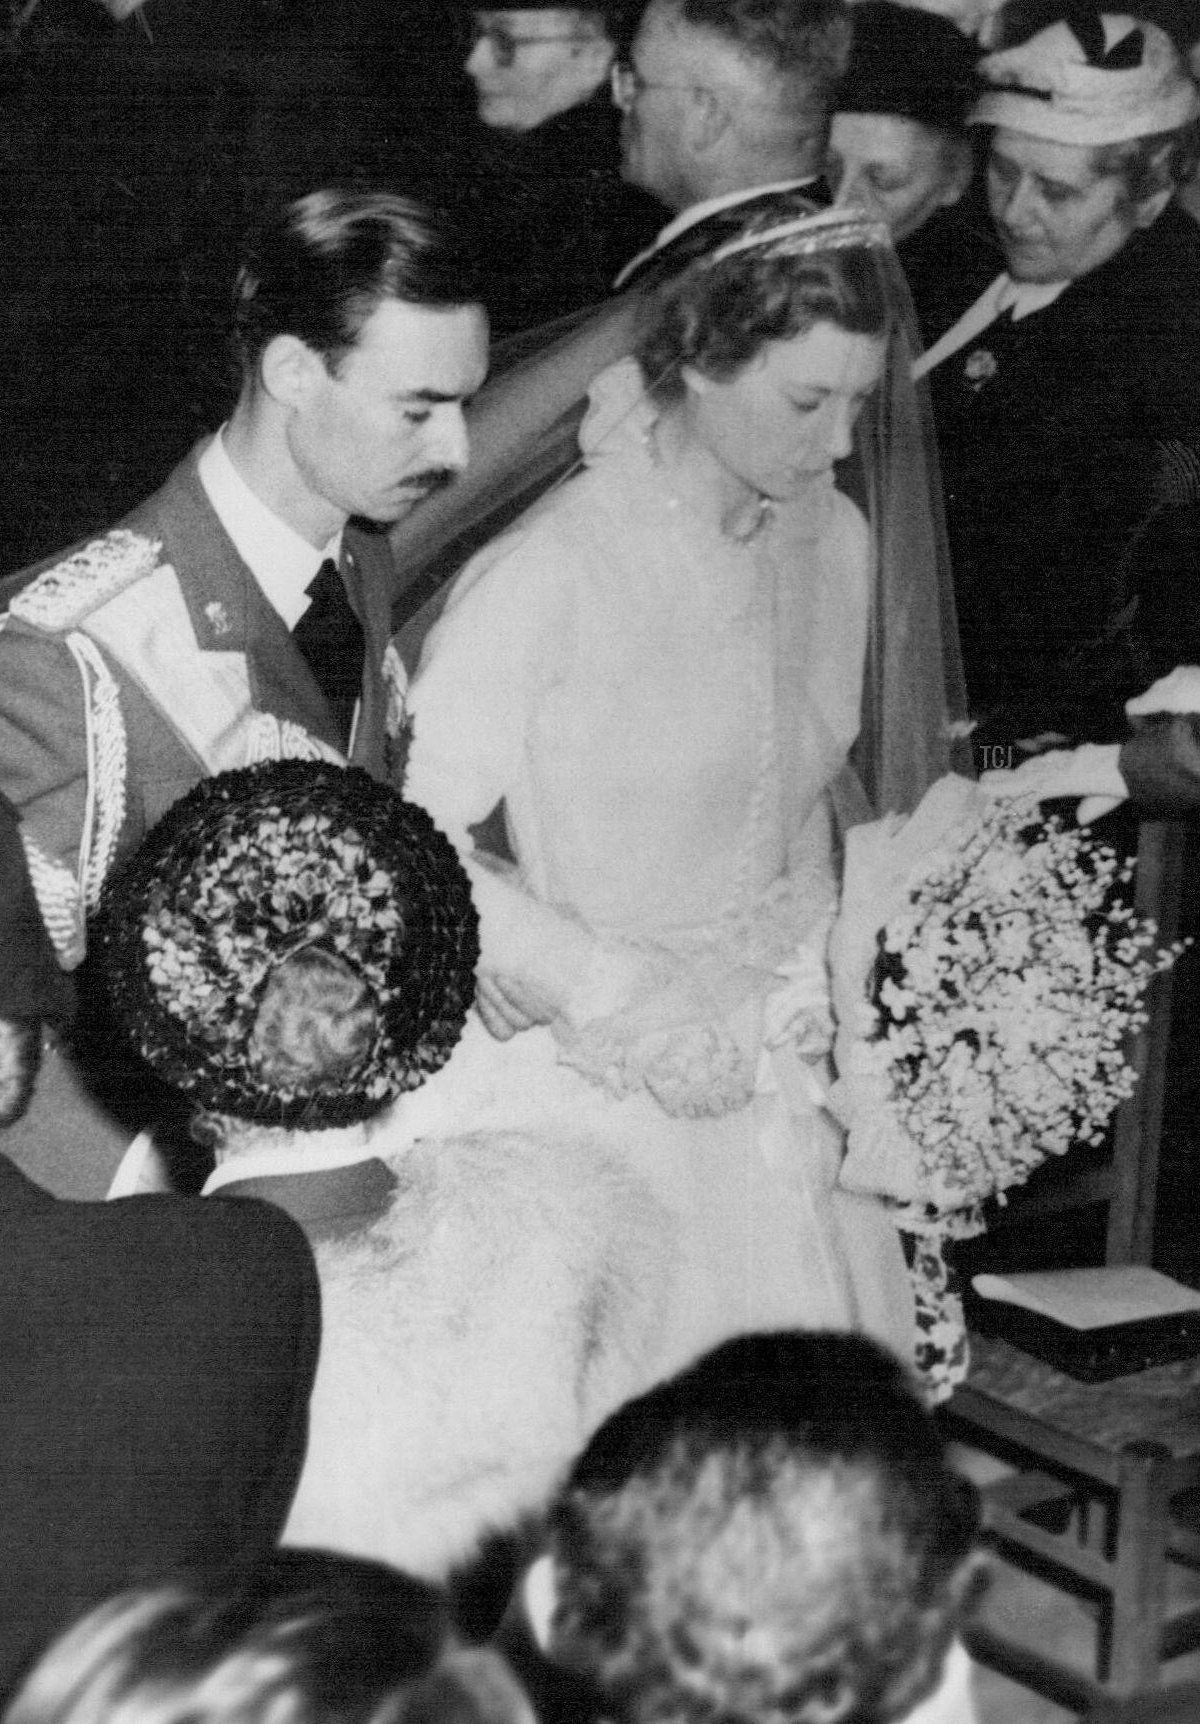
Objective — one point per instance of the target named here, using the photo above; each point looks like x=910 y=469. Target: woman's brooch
x=980 y=368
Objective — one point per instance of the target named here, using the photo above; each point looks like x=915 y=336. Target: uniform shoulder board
x=64 y=596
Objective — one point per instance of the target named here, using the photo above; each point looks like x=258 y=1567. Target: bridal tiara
x=826 y=230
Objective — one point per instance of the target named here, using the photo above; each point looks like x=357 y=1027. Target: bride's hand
x=508 y=1005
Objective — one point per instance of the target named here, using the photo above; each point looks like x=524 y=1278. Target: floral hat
x=254 y=866
x=1095 y=79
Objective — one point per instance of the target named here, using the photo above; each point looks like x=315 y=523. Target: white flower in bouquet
x=986 y=977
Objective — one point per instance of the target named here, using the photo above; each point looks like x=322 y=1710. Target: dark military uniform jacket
x=146 y=660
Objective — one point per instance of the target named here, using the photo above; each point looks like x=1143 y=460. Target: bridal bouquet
x=985 y=978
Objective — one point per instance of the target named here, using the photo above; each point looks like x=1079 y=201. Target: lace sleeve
x=626 y=1014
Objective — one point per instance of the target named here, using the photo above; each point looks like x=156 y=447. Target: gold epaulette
x=61 y=598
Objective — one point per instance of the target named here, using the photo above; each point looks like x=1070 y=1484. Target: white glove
x=1178 y=692
x=1090 y=772
x=508 y=1004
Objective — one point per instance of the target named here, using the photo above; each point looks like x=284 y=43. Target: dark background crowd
x=136 y=156
x=141 y=152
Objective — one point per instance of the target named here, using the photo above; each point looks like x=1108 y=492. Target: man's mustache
x=432 y=479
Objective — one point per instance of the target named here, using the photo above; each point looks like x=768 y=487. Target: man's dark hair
x=772 y=1536
x=320 y=269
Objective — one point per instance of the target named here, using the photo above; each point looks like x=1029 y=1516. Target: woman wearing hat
x=1066 y=387
x=898 y=143
x=157 y=1361
x=293 y=948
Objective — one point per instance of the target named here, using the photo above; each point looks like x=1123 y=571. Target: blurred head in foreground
x=307 y=1638
x=773 y=1536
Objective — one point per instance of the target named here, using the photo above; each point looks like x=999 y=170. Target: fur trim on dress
x=473 y=1339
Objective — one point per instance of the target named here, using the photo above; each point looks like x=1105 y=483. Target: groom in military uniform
x=238 y=614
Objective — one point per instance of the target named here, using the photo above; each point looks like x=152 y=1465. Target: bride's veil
x=914 y=721
x=524 y=442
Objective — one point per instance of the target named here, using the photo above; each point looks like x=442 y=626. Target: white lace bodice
x=612 y=670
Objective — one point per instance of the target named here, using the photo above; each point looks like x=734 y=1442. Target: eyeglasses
x=505 y=46
x=628 y=83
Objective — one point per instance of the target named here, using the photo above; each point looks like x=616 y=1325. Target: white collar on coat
x=300 y=1152
x=1022 y=298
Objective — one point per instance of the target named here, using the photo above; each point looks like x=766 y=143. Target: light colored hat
x=1101 y=79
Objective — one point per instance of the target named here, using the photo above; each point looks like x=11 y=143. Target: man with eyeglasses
x=531 y=63
x=719 y=103
x=722 y=102
x=553 y=216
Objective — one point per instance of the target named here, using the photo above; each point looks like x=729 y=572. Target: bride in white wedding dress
x=661 y=675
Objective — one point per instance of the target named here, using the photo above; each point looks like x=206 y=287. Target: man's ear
x=709 y=120
x=290 y=369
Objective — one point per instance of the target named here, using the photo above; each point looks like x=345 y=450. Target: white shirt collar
x=280 y=559
x=301 y=1152
x=698 y=212
x=1023 y=298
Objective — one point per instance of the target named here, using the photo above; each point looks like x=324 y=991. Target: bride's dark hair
x=717 y=317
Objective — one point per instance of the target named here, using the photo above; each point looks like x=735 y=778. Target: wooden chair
x=1097 y=1470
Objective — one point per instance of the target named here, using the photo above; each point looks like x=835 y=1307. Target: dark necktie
x=331 y=638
